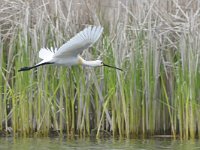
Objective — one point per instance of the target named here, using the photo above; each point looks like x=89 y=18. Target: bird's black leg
x=29 y=68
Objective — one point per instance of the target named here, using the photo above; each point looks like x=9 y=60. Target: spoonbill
x=68 y=53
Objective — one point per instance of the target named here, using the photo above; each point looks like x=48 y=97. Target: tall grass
x=156 y=43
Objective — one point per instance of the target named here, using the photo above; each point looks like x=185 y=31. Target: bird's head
x=101 y=63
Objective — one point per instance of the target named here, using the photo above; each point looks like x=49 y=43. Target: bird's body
x=68 y=53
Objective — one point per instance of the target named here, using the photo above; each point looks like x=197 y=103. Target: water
x=91 y=143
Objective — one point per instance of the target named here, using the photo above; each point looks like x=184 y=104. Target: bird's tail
x=47 y=54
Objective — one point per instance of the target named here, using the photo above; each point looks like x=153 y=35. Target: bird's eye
x=102 y=63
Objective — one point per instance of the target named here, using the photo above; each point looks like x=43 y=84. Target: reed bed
x=155 y=42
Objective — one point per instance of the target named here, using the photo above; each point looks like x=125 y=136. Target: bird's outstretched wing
x=79 y=42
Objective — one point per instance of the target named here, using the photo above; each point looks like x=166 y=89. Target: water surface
x=92 y=143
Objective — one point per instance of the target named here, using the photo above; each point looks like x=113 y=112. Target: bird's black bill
x=112 y=67
x=29 y=68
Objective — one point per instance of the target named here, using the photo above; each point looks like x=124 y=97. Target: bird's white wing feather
x=79 y=42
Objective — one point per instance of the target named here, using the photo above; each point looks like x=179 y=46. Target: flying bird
x=68 y=53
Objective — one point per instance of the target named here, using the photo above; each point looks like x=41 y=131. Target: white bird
x=68 y=53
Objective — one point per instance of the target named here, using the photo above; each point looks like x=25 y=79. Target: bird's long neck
x=87 y=63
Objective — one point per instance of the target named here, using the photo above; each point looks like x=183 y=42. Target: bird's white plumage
x=46 y=53
x=78 y=43
x=67 y=54
x=74 y=46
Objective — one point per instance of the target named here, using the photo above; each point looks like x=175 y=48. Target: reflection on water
x=91 y=143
